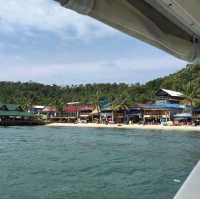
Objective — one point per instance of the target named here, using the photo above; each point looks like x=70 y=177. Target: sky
x=42 y=42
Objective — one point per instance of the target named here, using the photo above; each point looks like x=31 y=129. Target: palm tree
x=191 y=97
x=190 y=90
x=117 y=105
x=59 y=104
x=25 y=103
x=189 y=94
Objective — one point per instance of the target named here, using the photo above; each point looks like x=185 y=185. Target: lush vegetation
x=186 y=81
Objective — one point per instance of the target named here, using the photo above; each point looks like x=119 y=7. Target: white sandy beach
x=124 y=126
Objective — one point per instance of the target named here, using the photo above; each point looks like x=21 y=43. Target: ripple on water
x=72 y=163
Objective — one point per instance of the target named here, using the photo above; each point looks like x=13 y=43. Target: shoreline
x=126 y=126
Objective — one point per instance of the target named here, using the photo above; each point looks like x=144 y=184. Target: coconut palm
x=117 y=105
x=25 y=103
x=59 y=104
x=190 y=95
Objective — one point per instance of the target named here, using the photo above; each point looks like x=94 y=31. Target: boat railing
x=191 y=187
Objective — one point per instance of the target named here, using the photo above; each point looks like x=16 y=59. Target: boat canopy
x=173 y=26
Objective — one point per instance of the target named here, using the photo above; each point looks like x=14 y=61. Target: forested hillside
x=186 y=80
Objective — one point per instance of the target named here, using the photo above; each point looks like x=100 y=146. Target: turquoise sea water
x=82 y=163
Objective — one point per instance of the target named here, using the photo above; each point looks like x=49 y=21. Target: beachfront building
x=11 y=114
x=49 y=111
x=85 y=112
x=134 y=114
x=106 y=113
x=196 y=115
x=71 y=111
x=95 y=114
x=157 y=113
x=182 y=119
x=119 y=116
x=77 y=112
x=166 y=106
x=44 y=112
x=169 y=96
x=37 y=109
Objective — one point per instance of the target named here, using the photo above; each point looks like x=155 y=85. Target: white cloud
x=46 y=15
x=121 y=70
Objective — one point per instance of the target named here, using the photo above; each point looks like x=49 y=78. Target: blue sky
x=43 y=42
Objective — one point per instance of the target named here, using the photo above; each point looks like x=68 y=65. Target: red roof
x=71 y=109
x=77 y=108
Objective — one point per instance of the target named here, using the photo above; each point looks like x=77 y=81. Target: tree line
x=186 y=80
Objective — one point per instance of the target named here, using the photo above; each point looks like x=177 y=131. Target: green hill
x=186 y=80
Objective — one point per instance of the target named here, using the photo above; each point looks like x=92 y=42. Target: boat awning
x=173 y=26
